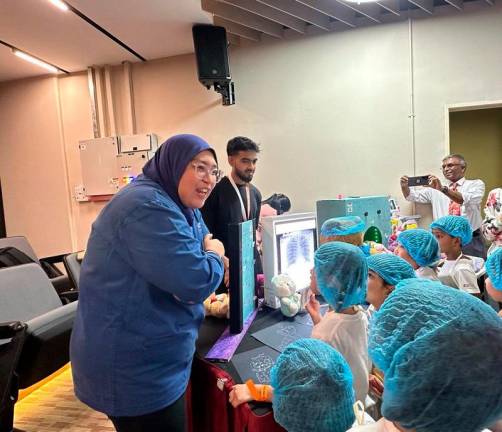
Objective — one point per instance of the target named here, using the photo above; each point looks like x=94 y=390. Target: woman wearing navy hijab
x=150 y=263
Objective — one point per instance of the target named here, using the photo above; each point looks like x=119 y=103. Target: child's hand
x=314 y=309
x=239 y=394
x=313 y=282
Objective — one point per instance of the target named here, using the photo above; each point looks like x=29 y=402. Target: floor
x=54 y=407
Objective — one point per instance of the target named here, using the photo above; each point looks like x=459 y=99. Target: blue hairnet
x=342 y=226
x=454 y=226
x=493 y=268
x=391 y=268
x=444 y=372
x=312 y=388
x=420 y=245
x=415 y=308
x=341 y=273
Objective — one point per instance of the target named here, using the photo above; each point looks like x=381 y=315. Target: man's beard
x=243 y=176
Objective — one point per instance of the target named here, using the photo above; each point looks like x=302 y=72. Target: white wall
x=330 y=111
x=32 y=165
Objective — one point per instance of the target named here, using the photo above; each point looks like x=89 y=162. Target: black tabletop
x=212 y=328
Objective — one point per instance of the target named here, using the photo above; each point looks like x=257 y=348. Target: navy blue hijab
x=169 y=164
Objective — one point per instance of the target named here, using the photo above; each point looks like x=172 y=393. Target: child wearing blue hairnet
x=349 y=229
x=457 y=270
x=493 y=282
x=440 y=350
x=385 y=271
x=312 y=389
x=421 y=250
x=340 y=275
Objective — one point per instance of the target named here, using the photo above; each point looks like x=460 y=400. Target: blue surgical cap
x=312 y=388
x=440 y=349
x=414 y=308
x=420 y=245
x=342 y=226
x=493 y=268
x=341 y=273
x=454 y=226
x=391 y=268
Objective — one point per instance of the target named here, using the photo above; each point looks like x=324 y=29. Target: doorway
x=3 y=231
x=476 y=133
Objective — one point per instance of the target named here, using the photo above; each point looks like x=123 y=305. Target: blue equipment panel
x=374 y=210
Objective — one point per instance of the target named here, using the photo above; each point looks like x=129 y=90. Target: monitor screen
x=288 y=245
x=296 y=243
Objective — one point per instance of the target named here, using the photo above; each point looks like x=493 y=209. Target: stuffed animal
x=217 y=305
x=285 y=289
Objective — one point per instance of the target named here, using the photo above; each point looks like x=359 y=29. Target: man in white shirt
x=459 y=196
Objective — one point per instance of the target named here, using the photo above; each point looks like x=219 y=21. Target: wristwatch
x=445 y=189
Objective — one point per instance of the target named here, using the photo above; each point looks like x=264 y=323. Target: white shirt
x=367 y=419
x=459 y=273
x=426 y=273
x=349 y=335
x=382 y=425
x=472 y=193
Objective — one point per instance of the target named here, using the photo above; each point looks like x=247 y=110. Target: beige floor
x=54 y=407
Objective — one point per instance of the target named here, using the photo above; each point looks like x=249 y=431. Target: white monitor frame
x=271 y=227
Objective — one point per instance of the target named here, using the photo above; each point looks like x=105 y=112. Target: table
x=211 y=382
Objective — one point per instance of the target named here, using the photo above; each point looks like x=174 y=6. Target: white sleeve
x=419 y=194
x=473 y=194
x=465 y=279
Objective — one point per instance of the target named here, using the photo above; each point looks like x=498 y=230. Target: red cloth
x=211 y=411
x=454 y=208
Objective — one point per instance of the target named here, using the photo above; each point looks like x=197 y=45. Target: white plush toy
x=285 y=289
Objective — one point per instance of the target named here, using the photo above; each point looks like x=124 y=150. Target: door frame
x=464 y=106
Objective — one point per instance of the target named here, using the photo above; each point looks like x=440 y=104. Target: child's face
x=377 y=290
x=400 y=251
x=446 y=242
x=495 y=294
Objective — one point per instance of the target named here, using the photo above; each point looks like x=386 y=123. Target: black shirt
x=223 y=207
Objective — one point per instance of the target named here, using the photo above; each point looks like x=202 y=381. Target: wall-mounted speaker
x=210 y=44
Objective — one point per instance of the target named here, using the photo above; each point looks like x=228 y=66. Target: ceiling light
x=34 y=60
x=361 y=1
x=60 y=4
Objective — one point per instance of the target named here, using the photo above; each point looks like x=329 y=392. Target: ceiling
x=152 y=29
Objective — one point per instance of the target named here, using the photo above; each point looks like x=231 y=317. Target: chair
x=12 y=336
x=72 y=263
x=60 y=281
x=27 y=296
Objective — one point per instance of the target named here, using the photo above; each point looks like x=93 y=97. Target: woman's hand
x=239 y=394
x=226 y=266
x=314 y=309
x=214 y=245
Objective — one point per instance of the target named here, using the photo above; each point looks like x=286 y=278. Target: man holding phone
x=459 y=196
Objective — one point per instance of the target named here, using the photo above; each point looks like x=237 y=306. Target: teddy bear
x=217 y=305
x=285 y=289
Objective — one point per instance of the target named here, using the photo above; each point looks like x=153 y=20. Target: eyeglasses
x=450 y=165
x=202 y=171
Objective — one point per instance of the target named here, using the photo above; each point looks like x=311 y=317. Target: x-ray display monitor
x=296 y=242
x=288 y=245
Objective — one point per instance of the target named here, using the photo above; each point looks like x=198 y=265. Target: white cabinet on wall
x=108 y=164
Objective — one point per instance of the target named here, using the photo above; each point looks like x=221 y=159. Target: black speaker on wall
x=210 y=43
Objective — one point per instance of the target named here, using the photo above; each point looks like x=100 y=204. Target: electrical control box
x=110 y=163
